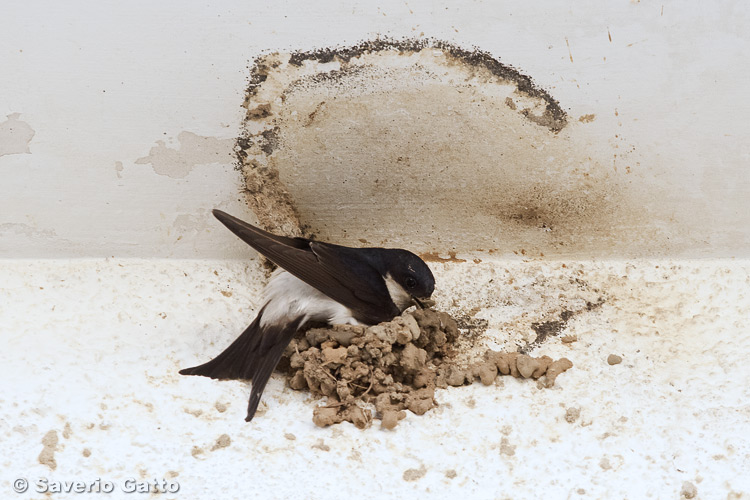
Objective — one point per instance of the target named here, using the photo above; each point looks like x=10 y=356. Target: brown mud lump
x=614 y=359
x=393 y=367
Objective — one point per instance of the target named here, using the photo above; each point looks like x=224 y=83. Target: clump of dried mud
x=395 y=366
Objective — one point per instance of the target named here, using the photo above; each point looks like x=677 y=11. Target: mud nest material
x=395 y=366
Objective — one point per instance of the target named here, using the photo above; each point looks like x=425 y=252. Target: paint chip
x=194 y=150
x=15 y=136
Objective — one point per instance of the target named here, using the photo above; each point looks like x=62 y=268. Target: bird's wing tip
x=219 y=213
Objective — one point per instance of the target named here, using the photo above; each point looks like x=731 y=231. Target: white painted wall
x=100 y=84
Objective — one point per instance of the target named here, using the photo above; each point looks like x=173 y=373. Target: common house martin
x=315 y=281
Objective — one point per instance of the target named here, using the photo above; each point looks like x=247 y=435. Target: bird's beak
x=422 y=303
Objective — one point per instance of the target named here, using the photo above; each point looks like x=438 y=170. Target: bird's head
x=409 y=280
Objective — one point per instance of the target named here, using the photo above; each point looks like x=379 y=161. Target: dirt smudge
x=222 y=441
x=414 y=474
x=552 y=328
x=47 y=455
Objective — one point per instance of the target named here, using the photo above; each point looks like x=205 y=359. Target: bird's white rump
x=287 y=298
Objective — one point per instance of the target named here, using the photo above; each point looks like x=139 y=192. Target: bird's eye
x=411 y=282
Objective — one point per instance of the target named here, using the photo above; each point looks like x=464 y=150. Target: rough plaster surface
x=91 y=390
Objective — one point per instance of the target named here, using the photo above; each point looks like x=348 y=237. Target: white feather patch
x=398 y=294
x=288 y=298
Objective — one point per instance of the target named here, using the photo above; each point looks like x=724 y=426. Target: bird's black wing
x=236 y=361
x=253 y=355
x=363 y=281
x=338 y=272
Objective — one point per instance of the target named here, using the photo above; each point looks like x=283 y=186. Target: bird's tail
x=253 y=355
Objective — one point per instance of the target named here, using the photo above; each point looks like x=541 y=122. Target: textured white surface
x=95 y=345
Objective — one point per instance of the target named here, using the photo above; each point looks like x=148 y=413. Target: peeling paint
x=192 y=222
x=15 y=136
x=194 y=150
x=434 y=257
x=18 y=228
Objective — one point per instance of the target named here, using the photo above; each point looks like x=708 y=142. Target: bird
x=314 y=281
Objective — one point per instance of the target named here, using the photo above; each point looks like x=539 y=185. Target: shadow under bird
x=315 y=281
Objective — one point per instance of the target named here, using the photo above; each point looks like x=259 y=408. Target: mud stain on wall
x=425 y=145
x=15 y=136
x=194 y=150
